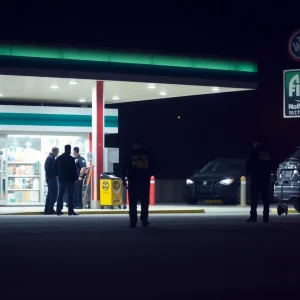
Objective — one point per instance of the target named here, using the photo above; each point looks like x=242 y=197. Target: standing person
x=80 y=163
x=138 y=168
x=259 y=166
x=65 y=169
x=51 y=182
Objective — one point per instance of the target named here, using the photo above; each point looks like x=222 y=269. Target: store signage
x=116 y=187
x=114 y=155
x=291 y=94
x=105 y=185
x=294 y=45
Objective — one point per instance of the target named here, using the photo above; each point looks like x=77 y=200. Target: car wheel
x=192 y=201
x=297 y=205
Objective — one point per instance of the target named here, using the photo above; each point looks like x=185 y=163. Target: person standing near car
x=66 y=171
x=80 y=165
x=138 y=168
x=51 y=181
x=259 y=166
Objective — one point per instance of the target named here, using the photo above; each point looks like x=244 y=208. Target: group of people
x=64 y=173
x=137 y=168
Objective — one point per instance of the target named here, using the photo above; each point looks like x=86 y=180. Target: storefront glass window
x=60 y=141
x=23 y=169
x=22 y=159
x=3 y=169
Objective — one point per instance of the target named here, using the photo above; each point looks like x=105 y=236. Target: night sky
x=210 y=126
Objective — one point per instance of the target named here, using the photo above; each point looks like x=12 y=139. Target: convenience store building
x=91 y=79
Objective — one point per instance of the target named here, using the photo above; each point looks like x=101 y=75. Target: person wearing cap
x=51 y=181
x=258 y=167
x=138 y=168
x=80 y=163
x=66 y=171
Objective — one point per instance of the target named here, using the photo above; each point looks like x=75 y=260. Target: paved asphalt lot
x=206 y=256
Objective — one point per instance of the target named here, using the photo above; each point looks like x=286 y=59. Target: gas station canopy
x=72 y=91
x=46 y=74
x=94 y=77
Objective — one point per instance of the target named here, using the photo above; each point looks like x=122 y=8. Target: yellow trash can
x=111 y=191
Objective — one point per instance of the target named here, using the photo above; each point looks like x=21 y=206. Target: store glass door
x=3 y=185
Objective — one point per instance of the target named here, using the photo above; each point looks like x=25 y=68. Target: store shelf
x=10 y=204
x=25 y=176
x=12 y=190
x=21 y=163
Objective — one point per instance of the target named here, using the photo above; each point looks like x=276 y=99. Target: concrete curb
x=114 y=212
x=291 y=211
x=213 y=202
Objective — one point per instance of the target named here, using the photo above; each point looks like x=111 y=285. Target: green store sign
x=291 y=97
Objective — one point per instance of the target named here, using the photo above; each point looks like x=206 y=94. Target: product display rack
x=24 y=183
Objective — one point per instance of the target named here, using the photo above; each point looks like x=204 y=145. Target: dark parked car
x=219 y=180
x=287 y=186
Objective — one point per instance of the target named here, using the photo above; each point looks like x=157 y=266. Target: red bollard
x=152 y=191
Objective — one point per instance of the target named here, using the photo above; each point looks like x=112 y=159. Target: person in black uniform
x=51 y=182
x=138 y=168
x=80 y=163
x=259 y=166
x=66 y=171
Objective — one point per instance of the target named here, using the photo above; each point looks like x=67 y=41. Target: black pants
x=51 y=195
x=69 y=186
x=66 y=197
x=260 y=186
x=138 y=192
x=78 y=193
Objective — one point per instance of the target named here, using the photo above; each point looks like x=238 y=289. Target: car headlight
x=227 y=181
x=189 y=182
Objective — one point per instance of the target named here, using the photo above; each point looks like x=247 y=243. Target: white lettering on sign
x=294 y=112
x=296 y=45
x=294 y=106
x=294 y=86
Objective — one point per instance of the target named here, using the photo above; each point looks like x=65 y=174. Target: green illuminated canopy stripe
x=127 y=58
x=54 y=120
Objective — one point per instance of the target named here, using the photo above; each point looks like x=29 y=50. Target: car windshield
x=208 y=168
x=232 y=166
x=221 y=167
x=295 y=155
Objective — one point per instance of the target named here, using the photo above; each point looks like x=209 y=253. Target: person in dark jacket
x=51 y=182
x=66 y=171
x=80 y=164
x=259 y=166
x=138 y=168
